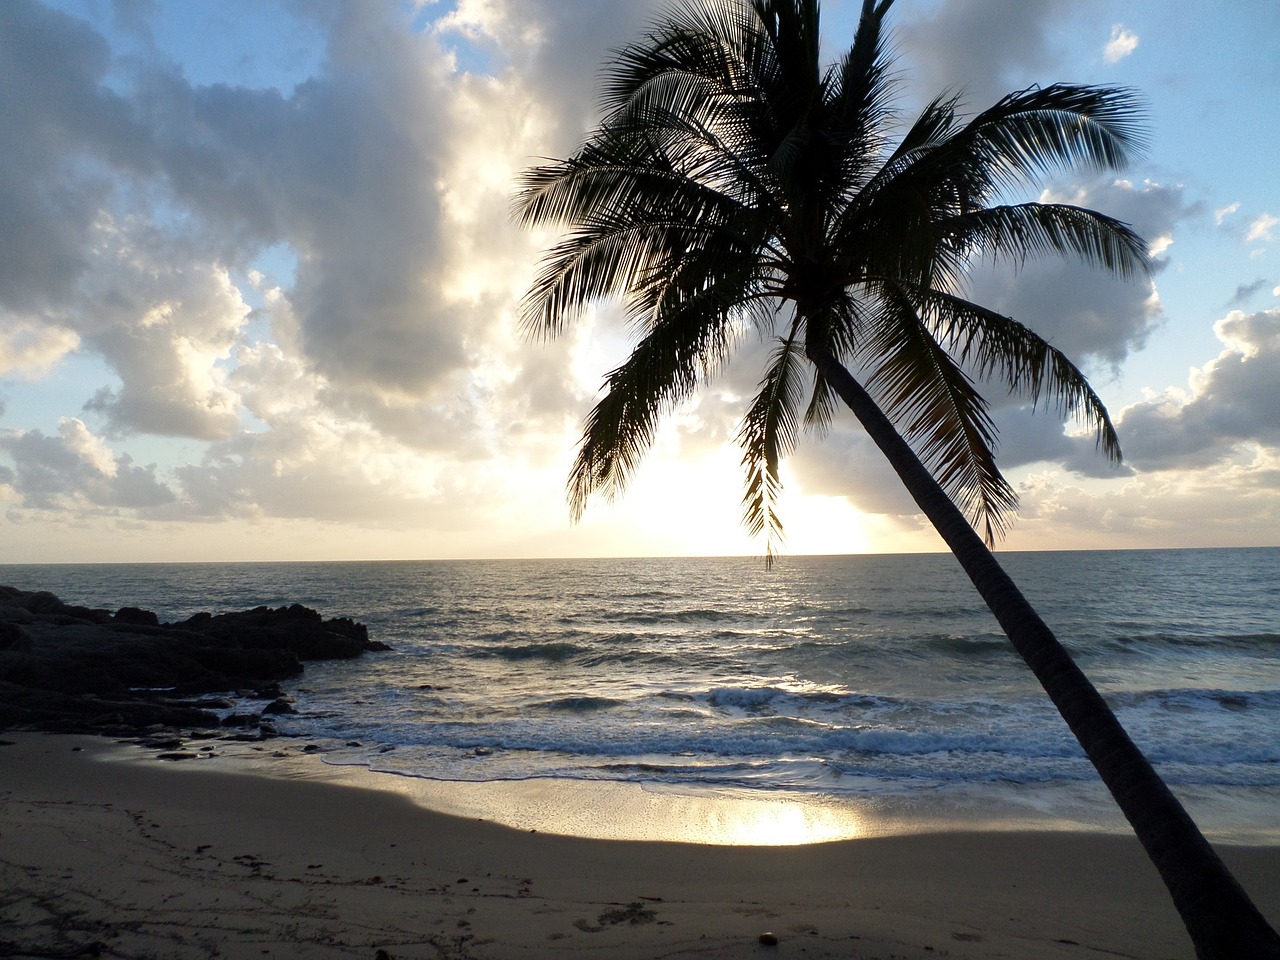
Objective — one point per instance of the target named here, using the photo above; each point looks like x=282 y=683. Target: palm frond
x=937 y=408
x=663 y=369
x=709 y=40
x=1039 y=229
x=859 y=89
x=693 y=313
x=822 y=406
x=1062 y=126
x=628 y=222
x=767 y=434
x=943 y=170
x=996 y=346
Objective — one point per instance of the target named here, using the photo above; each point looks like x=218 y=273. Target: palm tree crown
x=733 y=182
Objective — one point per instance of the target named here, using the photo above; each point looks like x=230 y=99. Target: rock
x=15 y=614
x=295 y=628
x=207 y=703
x=135 y=615
x=272 y=691
x=80 y=669
x=163 y=743
x=768 y=939
x=13 y=637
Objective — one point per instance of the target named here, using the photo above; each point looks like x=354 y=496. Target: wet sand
x=104 y=844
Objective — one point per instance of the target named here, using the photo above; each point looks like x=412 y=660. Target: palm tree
x=735 y=183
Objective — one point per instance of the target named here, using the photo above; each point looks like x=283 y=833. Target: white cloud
x=165 y=319
x=29 y=348
x=1230 y=504
x=1222 y=213
x=386 y=362
x=1122 y=43
x=1261 y=227
x=75 y=473
x=1233 y=402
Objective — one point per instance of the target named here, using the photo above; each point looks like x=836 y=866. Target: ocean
x=879 y=684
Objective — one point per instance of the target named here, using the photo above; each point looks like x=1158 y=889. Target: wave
x=1187 y=699
x=970 y=646
x=631 y=657
x=1241 y=642
x=595 y=732
x=697 y=615
x=582 y=704
x=555 y=652
x=757 y=699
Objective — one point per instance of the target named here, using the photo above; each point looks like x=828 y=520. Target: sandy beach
x=105 y=844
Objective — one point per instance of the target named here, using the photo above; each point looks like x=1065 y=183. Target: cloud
x=1232 y=403
x=1122 y=43
x=1261 y=227
x=165 y=319
x=308 y=288
x=1206 y=457
x=62 y=124
x=984 y=48
x=1245 y=292
x=1079 y=309
x=29 y=348
x=1236 y=504
x=1221 y=214
x=317 y=284
x=318 y=281
x=75 y=471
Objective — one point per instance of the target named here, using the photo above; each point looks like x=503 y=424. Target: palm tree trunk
x=1223 y=922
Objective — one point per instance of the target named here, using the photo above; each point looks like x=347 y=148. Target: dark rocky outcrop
x=72 y=668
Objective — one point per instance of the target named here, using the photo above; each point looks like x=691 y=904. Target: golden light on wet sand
x=625 y=811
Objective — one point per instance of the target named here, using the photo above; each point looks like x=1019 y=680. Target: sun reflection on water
x=744 y=822
x=621 y=811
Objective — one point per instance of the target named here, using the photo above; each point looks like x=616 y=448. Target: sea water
x=880 y=683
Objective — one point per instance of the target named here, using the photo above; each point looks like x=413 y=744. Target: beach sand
x=101 y=843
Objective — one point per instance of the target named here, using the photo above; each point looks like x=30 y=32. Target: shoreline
x=301 y=859
x=704 y=814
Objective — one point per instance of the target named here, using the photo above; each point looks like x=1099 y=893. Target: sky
x=259 y=283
